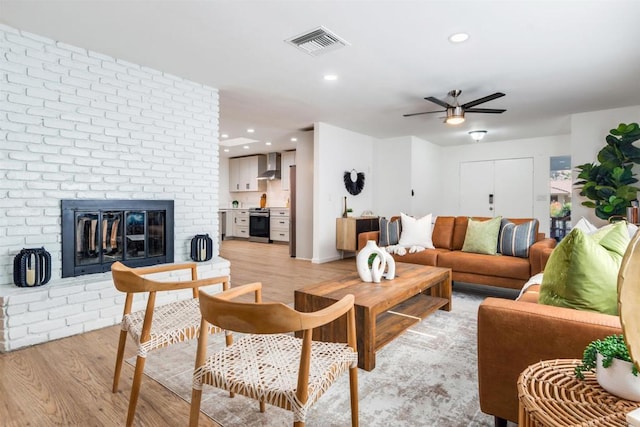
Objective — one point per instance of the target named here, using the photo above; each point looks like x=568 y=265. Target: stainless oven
x=259 y=225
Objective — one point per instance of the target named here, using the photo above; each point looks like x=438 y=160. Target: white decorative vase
x=391 y=266
x=377 y=267
x=362 y=262
x=618 y=379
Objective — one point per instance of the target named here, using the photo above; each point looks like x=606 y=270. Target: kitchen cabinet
x=347 y=230
x=288 y=158
x=243 y=173
x=228 y=231
x=279 y=225
x=241 y=223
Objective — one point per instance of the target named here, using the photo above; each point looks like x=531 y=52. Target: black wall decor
x=201 y=248
x=32 y=267
x=353 y=181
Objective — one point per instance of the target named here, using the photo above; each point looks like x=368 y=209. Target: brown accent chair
x=160 y=326
x=288 y=372
x=448 y=238
x=515 y=334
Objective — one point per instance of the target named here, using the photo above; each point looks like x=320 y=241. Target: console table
x=347 y=230
x=550 y=395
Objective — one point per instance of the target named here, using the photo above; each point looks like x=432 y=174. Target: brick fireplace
x=81 y=125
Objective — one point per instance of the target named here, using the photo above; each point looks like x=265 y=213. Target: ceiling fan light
x=477 y=135
x=455 y=116
x=454 y=120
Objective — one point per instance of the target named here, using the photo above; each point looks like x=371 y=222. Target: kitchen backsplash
x=276 y=197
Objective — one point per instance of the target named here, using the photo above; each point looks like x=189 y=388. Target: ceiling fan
x=455 y=111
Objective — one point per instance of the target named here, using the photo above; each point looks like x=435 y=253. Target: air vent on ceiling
x=317 y=41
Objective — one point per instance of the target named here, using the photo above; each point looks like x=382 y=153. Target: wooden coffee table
x=383 y=310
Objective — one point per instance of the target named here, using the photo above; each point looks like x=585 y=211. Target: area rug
x=425 y=377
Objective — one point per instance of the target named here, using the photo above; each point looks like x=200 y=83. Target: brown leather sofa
x=494 y=270
x=515 y=334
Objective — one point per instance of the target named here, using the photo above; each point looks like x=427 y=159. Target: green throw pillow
x=582 y=271
x=482 y=236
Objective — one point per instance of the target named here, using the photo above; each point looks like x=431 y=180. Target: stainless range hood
x=273 y=167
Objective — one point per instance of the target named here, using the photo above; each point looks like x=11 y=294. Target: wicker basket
x=551 y=395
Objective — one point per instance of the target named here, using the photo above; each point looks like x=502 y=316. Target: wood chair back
x=265 y=318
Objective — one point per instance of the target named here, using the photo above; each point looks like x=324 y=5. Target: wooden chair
x=159 y=326
x=285 y=371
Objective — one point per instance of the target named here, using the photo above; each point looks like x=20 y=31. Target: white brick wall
x=76 y=124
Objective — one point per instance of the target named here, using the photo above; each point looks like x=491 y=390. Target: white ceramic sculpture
x=391 y=266
x=362 y=262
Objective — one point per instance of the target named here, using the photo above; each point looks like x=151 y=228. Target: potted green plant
x=608 y=185
x=611 y=361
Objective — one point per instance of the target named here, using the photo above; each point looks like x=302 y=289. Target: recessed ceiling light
x=294 y=139
x=246 y=147
x=226 y=150
x=251 y=130
x=224 y=135
x=330 y=77
x=458 y=37
x=268 y=143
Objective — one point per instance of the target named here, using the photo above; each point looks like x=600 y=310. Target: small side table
x=550 y=395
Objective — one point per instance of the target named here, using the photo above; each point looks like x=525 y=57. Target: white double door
x=497 y=188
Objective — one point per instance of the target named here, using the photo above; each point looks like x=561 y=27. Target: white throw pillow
x=584 y=225
x=416 y=232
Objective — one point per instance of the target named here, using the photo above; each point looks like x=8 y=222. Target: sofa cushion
x=389 y=232
x=482 y=236
x=459 y=231
x=488 y=265
x=531 y=294
x=442 y=236
x=582 y=271
x=426 y=257
x=515 y=240
x=416 y=232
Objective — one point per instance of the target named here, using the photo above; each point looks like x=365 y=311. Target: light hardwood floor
x=68 y=382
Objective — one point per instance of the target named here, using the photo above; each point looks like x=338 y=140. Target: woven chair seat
x=242 y=368
x=172 y=323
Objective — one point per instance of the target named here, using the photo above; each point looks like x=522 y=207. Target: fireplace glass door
x=101 y=236
x=98 y=237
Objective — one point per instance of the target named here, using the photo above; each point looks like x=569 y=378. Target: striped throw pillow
x=389 y=232
x=515 y=240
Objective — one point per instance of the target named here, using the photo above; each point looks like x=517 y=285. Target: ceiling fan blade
x=437 y=101
x=426 y=112
x=484 y=110
x=482 y=100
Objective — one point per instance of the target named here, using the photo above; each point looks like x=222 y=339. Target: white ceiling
x=551 y=58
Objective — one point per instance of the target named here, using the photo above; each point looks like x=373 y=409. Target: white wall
x=392 y=178
x=76 y=124
x=403 y=164
x=588 y=133
x=337 y=150
x=304 y=196
x=426 y=175
x=540 y=149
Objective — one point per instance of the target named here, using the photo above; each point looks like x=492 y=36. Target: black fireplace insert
x=96 y=233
